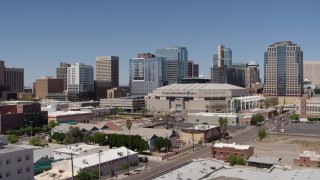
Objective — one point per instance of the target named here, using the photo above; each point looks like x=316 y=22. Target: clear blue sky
x=37 y=34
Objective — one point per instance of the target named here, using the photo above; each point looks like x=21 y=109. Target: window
x=8 y=174
x=20 y=171
x=0 y=175
x=19 y=159
x=28 y=169
x=28 y=157
x=8 y=161
x=0 y=163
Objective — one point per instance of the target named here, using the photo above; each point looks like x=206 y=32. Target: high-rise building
x=14 y=78
x=252 y=74
x=311 y=71
x=2 y=73
x=221 y=62
x=146 y=74
x=107 y=69
x=61 y=73
x=176 y=63
x=48 y=85
x=223 y=57
x=80 y=82
x=193 y=69
x=283 y=70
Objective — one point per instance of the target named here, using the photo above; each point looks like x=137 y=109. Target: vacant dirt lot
x=285 y=147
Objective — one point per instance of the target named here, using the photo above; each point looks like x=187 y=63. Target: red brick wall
x=305 y=161
x=224 y=152
x=8 y=108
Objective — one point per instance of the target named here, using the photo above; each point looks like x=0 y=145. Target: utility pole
x=71 y=162
x=193 y=138
x=99 y=154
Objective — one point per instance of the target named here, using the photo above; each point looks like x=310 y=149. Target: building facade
x=311 y=71
x=16 y=162
x=14 y=78
x=252 y=74
x=15 y=116
x=193 y=70
x=107 y=69
x=80 y=82
x=48 y=85
x=62 y=73
x=146 y=75
x=223 y=57
x=192 y=97
x=221 y=151
x=176 y=62
x=283 y=68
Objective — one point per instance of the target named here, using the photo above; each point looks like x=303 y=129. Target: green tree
x=294 y=116
x=124 y=166
x=119 y=110
x=129 y=125
x=223 y=122
x=161 y=142
x=143 y=110
x=73 y=136
x=256 y=119
x=312 y=119
x=12 y=138
x=235 y=160
x=45 y=128
x=262 y=133
x=59 y=137
x=87 y=138
x=35 y=141
x=52 y=124
x=88 y=174
x=37 y=129
x=100 y=138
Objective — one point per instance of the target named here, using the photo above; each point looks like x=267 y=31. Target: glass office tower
x=283 y=70
x=176 y=62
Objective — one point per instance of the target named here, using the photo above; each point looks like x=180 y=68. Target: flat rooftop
x=233 y=145
x=199 y=86
x=67 y=113
x=211 y=169
x=76 y=148
x=11 y=148
x=213 y=114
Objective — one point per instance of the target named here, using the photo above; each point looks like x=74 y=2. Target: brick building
x=15 y=116
x=308 y=159
x=221 y=151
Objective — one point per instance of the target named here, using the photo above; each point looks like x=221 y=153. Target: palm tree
x=129 y=125
x=223 y=121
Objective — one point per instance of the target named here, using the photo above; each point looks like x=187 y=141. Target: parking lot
x=301 y=128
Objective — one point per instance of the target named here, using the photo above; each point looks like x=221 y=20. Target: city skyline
x=45 y=33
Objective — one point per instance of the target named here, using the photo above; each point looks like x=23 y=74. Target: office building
x=61 y=73
x=223 y=57
x=283 y=68
x=252 y=74
x=193 y=69
x=311 y=71
x=176 y=62
x=15 y=162
x=221 y=62
x=107 y=69
x=48 y=85
x=14 y=78
x=17 y=114
x=80 y=82
x=100 y=89
x=146 y=55
x=2 y=73
x=146 y=74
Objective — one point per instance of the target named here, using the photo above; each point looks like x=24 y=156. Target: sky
x=37 y=35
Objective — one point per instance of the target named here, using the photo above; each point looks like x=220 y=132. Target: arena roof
x=198 y=86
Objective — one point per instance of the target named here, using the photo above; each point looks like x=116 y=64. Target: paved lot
x=302 y=128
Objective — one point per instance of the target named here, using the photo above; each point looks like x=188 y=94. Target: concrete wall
x=211 y=120
x=305 y=161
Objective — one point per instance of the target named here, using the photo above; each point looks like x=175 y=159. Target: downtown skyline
x=37 y=36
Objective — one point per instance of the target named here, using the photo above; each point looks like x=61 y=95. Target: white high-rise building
x=147 y=74
x=80 y=78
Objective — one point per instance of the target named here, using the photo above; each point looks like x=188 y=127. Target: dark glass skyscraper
x=283 y=70
x=176 y=62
